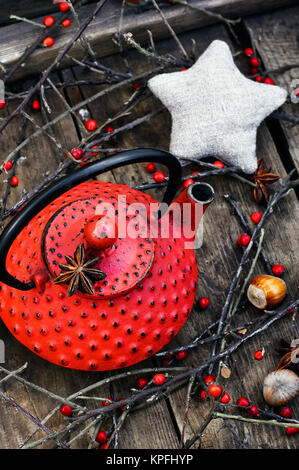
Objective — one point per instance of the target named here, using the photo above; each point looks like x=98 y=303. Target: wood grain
x=105 y=26
x=275 y=36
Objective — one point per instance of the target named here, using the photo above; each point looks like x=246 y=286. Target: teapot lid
x=126 y=262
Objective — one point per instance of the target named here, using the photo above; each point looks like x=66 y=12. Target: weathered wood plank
x=275 y=36
x=106 y=24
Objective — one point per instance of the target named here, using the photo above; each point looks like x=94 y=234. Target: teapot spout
x=193 y=203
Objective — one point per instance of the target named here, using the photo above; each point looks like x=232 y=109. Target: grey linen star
x=215 y=109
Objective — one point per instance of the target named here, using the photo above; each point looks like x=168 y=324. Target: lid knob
x=101 y=232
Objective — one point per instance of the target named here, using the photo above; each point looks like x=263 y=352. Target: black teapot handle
x=39 y=202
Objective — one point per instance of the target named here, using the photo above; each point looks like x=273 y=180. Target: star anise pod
x=261 y=178
x=79 y=273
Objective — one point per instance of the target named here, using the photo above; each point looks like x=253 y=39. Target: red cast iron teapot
x=81 y=295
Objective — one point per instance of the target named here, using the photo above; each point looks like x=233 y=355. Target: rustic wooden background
x=275 y=35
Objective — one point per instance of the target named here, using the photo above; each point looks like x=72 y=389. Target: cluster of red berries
x=14 y=179
x=254 y=64
x=251 y=409
x=214 y=389
x=50 y=21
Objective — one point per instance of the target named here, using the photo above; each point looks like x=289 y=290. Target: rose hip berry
x=66 y=410
x=291 y=430
x=225 y=399
x=248 y=52
x=269 y=81
x=187 y=182
x=181 y=355
x=286 y=412
x=77 y=153
x=48 y=41
x=107 y=402
x=109 y=129
x=142 y=382
x=159 y=177
x=66 y=23
x=259 y=355
x=150 y=167
x=209 y=379
x=215 y=390
x=242 y=401
x=35 y=105
x=243 y=240
x=2 y=104
x=7 y=166
x=204 y=302
x=14 y=181
x=91 y=125
x=278 y=269
x=64 y=6
x=256 y=217
x=203 y=395
x=49 y=21
x=253 y=410
x=159 y=379
x=254 y=62
x=258 y=78
x=101 y=437
x=219 y=164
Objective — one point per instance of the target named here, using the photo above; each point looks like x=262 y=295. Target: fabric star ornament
x=215 y=109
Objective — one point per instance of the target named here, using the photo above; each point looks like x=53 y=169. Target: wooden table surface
x=159 y=426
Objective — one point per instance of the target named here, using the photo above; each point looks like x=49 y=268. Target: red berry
x=150 y=167
x=66 y=23
x=183 y=69
x=64 y=6
x=291 y=311
x=258 y=78
x=14 y=181
x=35 y=105
x=278 y=269
x=243 y=240
x=48 y=41
x=104 y=446
x=91 y=125
x=248 y=52
x=109 y=129
x=94 y=154
x=66 y=410
x=225 y=399
x=106 y=402
x=204 y=302
x=187 y=182
x=142 y=382
x=159 y=379
x=124 y=406
x=253 y=410
x=49 y=21
x=286 y=412
x=256 y=217
x=159 y=177
x=258 y=355
x=269 y=81
x=209 y=379
x=136 y=85
x=254 y=61
x=203 y=395
x=181 y=355
x=215 y=390
x=7 y=166
x=290 y=431
x=253 y=71
x=219 y=164
x=77 y=153
x=101 y=437
x=2 y=104
x=242 y=401
x=195 y=172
